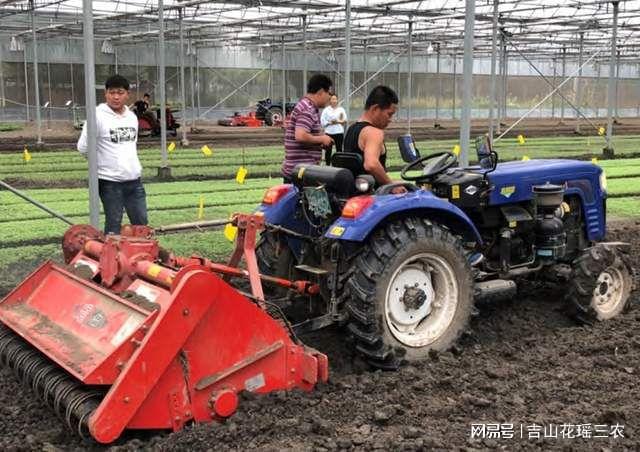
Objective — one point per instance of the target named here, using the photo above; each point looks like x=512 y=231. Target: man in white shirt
x=333 y=119
x=119 y=169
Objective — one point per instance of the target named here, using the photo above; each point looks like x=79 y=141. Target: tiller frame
x=130 y=336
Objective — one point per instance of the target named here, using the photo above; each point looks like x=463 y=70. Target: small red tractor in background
x=129 y=336
x=239 y=120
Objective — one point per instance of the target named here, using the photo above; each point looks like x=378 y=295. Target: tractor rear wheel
x=410 y=293
x=600 y=284
x=274 y=259
x=273 y=115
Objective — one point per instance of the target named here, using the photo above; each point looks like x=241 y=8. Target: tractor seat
x=348 y=160
x=336 y=180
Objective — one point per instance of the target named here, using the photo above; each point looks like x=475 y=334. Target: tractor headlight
x=364 y=183
x=603 y=181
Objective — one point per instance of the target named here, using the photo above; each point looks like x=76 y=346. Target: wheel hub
x=413 y=297
x=421 y=299
x=608 y=291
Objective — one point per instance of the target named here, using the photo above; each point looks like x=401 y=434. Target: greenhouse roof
x=533 y=27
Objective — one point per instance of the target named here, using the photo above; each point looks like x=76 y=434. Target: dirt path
x=62 y=135
x=522 y=362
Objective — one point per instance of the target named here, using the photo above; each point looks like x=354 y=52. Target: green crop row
x=9 y=213
x=190 y=162
x=49 y=195
x=49 y=229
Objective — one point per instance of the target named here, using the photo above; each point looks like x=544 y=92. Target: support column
x=164 y=171
x=500 y=104
x=455 y=83
x=347 y=61
x=197 y=80
x=135 y=54
x=564 y=76
x=304 y=56
x=115 y=58
x=90 y=106
x=271 y=72
x=505 y=79
x=467 y=79
x=638 y=101
x=3 y=102
x=73 y=94
x=617 y=96
x=439 y=76
x=365 y=65
x=578 y=81
x=553 y=96
x=49 y=104
x=26 y=82
x=494 y=53
x=284 y=81
x=410 y=78
x=608 y=150
x=36 y=82
x=193 y=84
x=183 y=90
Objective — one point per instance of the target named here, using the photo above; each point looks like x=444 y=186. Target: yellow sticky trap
x=521 y=139
x=525 y=158
x=26 y=156
x=456 y=149
x=594 y=160
x=171 y=147
x=201 y=208
x=230 y=232
x=601 y=131
x=241 y=174
x=206 y=150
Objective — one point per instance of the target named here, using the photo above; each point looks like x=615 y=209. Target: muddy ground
x=522 y=362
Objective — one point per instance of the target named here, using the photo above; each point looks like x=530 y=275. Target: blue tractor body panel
x=283 y=212
x=383 y=206
x=513 y=182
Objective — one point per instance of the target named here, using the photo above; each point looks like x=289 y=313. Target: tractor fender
x=593 y=210
x=283 y=211
x=420 y=203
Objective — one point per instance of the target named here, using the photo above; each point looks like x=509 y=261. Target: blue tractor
x=402 y=272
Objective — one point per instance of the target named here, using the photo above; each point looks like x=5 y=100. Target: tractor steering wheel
x=431 y=165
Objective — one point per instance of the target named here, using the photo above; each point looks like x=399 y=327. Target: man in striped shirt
x=303 y=137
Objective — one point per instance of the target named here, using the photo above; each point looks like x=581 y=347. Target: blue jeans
x=119 y=196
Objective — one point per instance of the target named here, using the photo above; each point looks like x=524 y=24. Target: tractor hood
x=512 y=181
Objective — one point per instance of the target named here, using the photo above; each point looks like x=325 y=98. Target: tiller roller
x=129 y=336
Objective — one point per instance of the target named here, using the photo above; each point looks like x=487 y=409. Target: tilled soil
x=522 y=362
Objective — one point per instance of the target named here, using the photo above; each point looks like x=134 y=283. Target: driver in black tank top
x=366 y=136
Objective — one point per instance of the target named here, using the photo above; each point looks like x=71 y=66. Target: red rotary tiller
x=129 y=336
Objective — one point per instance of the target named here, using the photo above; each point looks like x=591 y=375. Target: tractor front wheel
x=600 y=284
x=410 y=293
